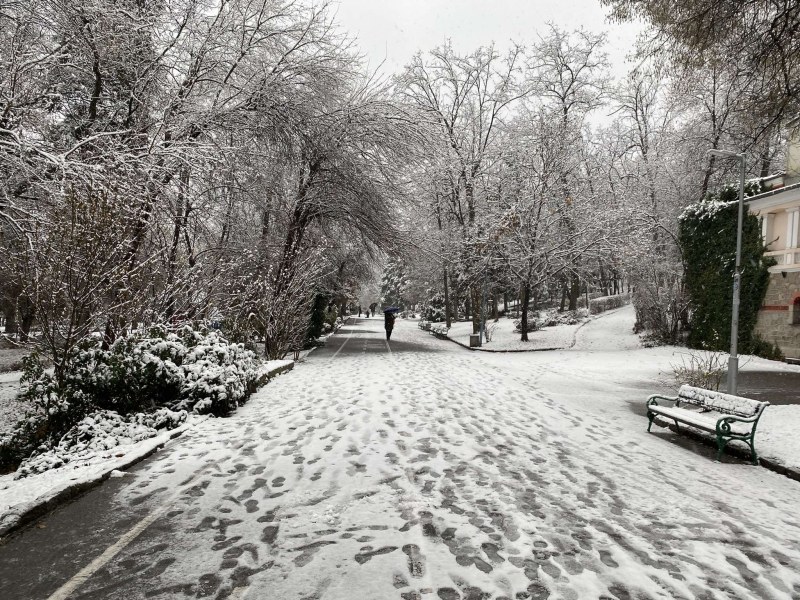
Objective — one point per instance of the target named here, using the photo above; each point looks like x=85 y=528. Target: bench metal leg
x=721 y=443
x=650 y=417
x=677 y=426
x=753 y=454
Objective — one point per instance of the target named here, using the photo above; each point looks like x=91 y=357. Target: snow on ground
x=612 y=330
x=505 y=338
x=11 y=358
x=776 y=436
x=272 y=365
x=429 y=471
x=10 y=409
x=609 y=331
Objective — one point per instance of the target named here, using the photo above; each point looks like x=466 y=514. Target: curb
x=501 y=351
x=767 y=463
x=53 y=498
x=449 y=339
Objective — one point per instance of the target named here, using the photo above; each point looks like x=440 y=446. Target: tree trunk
x=475 y=292
x=495 y=307
x=574 y=291
x=10 y=313
x=447 y=314
x=505 y=302
x=26 y=322
x=526 y=294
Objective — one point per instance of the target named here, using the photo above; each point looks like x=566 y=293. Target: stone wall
x=775 y=317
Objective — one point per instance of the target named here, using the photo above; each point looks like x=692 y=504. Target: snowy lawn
x=611 y=330
x=11 y=410
x=11 y=359
x=505 y=338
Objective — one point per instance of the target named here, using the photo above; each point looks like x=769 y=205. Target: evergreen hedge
x=707 y=237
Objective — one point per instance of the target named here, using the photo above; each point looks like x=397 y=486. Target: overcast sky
x=395 y=29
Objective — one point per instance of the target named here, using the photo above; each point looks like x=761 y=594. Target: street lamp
x=733 y=361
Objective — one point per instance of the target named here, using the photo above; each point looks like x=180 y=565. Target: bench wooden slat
x=720 y=402
x=701 y=420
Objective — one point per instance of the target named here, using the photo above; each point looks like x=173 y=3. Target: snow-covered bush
x=440 y=330
x=552 y=318
x=700 y=368
x=433 y=308
x=331 y=317
x=600 y=305
x=185 y=370
x=216 y=376
x=532 y=325
x=98 y=433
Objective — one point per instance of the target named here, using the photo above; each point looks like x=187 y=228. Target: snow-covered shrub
x=188 y=370
x=331 y=317
x=440 y=330
x=143 y=373
x=98 y=433
x=532 y=325
x=217 y=376
x=552 y=318
x=54 y=404
x=604 y=303
x=700 y=368
x=433 y=307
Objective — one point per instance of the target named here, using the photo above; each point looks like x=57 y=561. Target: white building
x=779 y=211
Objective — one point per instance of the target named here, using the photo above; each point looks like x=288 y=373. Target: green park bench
x=728 y=417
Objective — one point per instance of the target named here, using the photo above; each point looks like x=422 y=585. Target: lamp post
x=733 y=361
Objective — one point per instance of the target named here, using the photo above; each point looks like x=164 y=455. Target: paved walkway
x=420 y=471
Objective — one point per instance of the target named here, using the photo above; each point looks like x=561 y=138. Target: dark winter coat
x=388 y=321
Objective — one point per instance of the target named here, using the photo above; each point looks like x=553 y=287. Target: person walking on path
x=359 y=310
x=388 y=324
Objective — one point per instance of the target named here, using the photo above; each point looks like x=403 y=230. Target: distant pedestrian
x=388 y=324
x=367 y=313
x=359 y=310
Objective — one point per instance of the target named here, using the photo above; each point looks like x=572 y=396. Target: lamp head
x=723 y=153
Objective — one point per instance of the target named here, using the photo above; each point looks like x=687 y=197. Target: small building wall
x=778 y=234
x=775 y=318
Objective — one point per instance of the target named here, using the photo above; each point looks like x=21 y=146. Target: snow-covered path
x=429 y=472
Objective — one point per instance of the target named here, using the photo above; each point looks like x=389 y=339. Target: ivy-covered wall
x=708 y=243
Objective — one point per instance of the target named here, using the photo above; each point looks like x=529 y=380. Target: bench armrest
x=656 y=397
x=724 y=424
